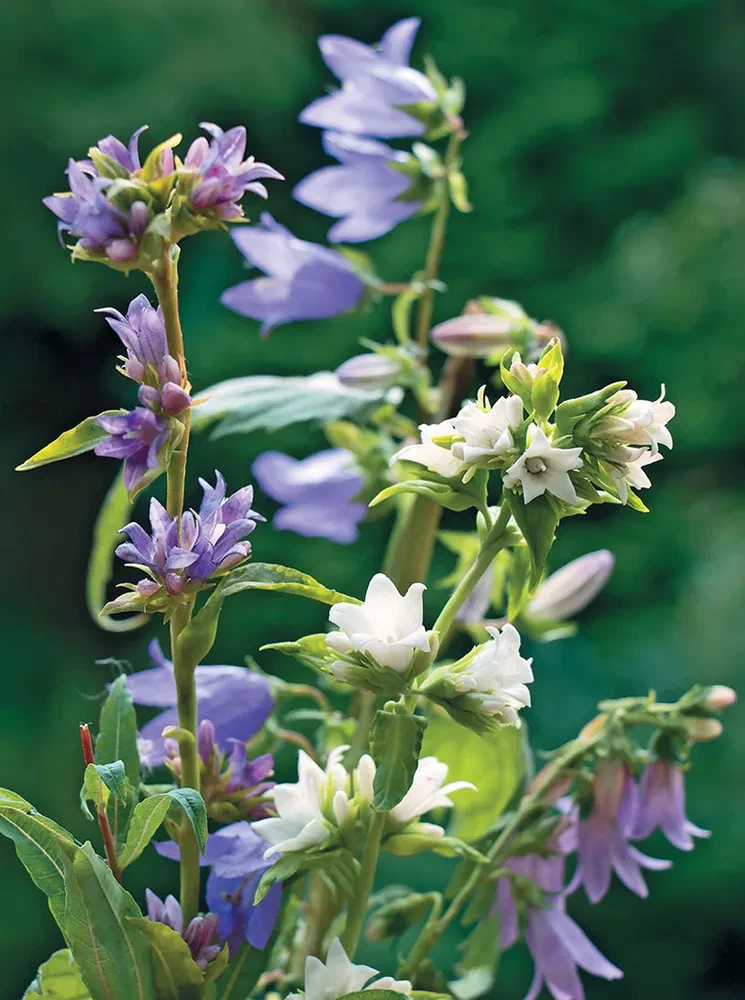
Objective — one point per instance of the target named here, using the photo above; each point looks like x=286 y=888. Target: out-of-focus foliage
x=607 y=175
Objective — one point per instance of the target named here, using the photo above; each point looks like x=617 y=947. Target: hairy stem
x=358 y=904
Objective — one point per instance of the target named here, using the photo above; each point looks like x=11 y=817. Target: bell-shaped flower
x=309 y=811
x=388 y=627
x=137 y=439
x=542 y=468
x=318 y=493
x=376 y=84
x=200 y=935
x=662 y=805
x=303 y=280
x=640 y=422
x=485 y=431
x=496 y=677
x=438 y=458
x=572 y=588
x=631 y=473
x=365 y=191
x=339 y=976
x=428 y=791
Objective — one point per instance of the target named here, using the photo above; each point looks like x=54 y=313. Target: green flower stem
x=321 y=911
x=165 y=282
x=358 y=904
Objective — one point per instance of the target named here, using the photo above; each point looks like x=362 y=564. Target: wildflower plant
x=291 y=866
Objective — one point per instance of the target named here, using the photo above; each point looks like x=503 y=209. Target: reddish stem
x=103 y=819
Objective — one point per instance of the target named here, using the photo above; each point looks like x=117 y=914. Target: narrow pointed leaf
x=537 y=521
x=146 y=819
x=194 y=808
x=177 y=975
x=117 y=741
x=395 y=743
x=58 y=979
x=76 y=441
x=269 y=576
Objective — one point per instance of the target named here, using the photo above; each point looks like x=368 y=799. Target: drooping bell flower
x=137 y=439
x=662 y=804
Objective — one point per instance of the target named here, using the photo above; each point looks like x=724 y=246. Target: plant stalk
x=358 y=904
x=103 y=819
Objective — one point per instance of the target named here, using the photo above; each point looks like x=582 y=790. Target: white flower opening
x=498 y=675
x=339 y=975
x=487 y=430
x=544 y=469
x=438 y=458
x=644 y=422
x=428 y=791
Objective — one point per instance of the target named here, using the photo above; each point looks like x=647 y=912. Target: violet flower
x=603 y=838
x=662 y=804
x=375 y=84
x=304 y=280
x=136 y=438
x=200 y=933
x=365 y=191
x=235 y=700
x=222 y=176
x=235 y=855
x=143 y=333
x=317 y=492
x=126 y=156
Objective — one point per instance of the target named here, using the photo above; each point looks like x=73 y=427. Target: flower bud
x=473 y=335
x=174 y=399
x=573 y=587
x=139 y=216
x=369 y=371
x=121 y=250
x=719 y=696
x=703 y=730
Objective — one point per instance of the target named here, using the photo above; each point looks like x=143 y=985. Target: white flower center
x=535 y=466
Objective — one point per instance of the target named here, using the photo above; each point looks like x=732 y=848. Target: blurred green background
x=606 y=169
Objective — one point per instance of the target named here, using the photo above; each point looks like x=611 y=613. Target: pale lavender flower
x=376 y=83
x=232 y=777
x=662 y=804
x=143 y=334
x=236 y=702
x=235 y=855
x=199 y=935
x=365 y=191
x=603 y=838
x=374 y=372
x=136 y=438
x=126 y=156
x=573 y=587
x=304 y=280
x=318 y=493
x=222 y=175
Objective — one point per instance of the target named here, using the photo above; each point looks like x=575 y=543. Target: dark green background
x=606 y=169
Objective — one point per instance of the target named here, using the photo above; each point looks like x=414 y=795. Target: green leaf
x=372 y=995
x=101 y=781
x=268 y=576
x=401 y=313
x=113 y=515
x=146 y=819
x=537 y=521
x=339 y=867
x=269 y=402
x=117 y=741
x=41 y=846
x=177 y=975
x=76 y=441
x=312 y=651
x=198 y=638
x=113 y=958
x=195 y=810
x=241 y=976
x=441 y=493
x=58 y=979
x=494 y=763
x=477 y=967
x=395 y=743
x=519 y=588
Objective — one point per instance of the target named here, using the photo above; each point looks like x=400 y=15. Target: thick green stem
x=358 y=904
x=321 y=910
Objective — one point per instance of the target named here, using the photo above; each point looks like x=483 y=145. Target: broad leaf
x=76 y=441
x=395 y=743
x=58 y=979
x=117 y=741
x=537 y=521
x=101 y=781
x=114 y=959
x=41 y=846
x=195 y=810
x=269 y=576
x=146 y=819
x=177 y=975
x=494 y=763
x=268 y=402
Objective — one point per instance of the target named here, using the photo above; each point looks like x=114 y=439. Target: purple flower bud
x=136 y=438
x=197 y=152
x=174 y=584
x=206 y=740
x=169 y=371
x=199 y=935
x=174 y=399
x=121 y=250
x=147 y=588
x=573 y=587
x=149 y=397
x=369 y=371
x=139 y=217
x=474 y=335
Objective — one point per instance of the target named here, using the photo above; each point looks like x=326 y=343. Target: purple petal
x=397 y=42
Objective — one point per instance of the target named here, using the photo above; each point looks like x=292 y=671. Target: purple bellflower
x=376 y=85
x=236 y=701
x=136 y=438
x=222 y=176
x=603 y=838
x=199 y=935
x=365 y=191
x=662 y=804
x=304 y=280
x=317 y=492
x=235 y=855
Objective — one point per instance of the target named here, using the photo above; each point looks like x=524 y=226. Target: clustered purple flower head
x=662 y=804
x=137 y=439
x=304 y=280
x=236 y=701
x=199 y=935
x=377 y=85
x=221 y=175
x=235 y=855
x=209 y=542
x=365 y=191
x=318 y=493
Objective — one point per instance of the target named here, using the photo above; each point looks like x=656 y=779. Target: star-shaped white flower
x=427 y=791
x=437 y=458
x=499 y=675
x=338 y=975
x=644 y=422
x=487 y=433
x=542 y=468
x=388 y=626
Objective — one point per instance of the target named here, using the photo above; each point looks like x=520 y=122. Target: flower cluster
x=199 y=935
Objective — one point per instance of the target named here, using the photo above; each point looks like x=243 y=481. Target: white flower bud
x=369 y=372
x=720 y=696
x=475 y=335
x=573 y=587
x=703 y=730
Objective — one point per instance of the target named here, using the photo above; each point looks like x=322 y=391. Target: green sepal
x=84 y=437
x=395 y=743
x=537 y=521
x=571 y=411
x=177 y=975
x=151 y=168
x=58 y=979
x=458 y=186
x=545 y=395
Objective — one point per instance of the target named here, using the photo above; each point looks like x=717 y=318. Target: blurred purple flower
x=662 y=804
x=235 y=855
x=200 y=933
x=318 y=493
x=210 y=541
x=304 y=280
x=236 y=701
x=364 y=191
x=603 y=838
x=136 y=438
x=374 y=85
x=222 y=175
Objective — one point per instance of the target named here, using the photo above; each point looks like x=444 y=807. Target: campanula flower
x=542 y=468
x=143 y=334
x=137 y=439
x=303 y=280
x=496 y=677
x=339 y=976
x=318 y=493
x=436 y=457
x=199 y=935
x=365 y=191
x=662 y=804
x=573 y=587
x=485 y=430
x=375 y=84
